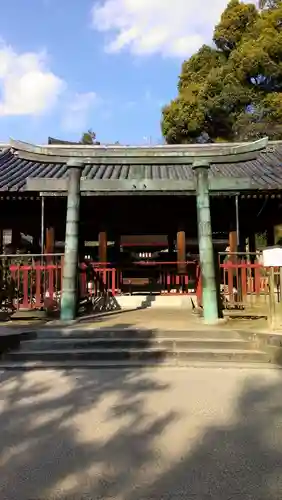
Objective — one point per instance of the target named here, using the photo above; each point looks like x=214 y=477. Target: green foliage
x=261 y=240
x=235 y=22
x=184 y=121
x=197 y=68
x=232 y=91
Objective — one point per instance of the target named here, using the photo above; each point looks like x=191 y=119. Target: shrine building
x=139 y=204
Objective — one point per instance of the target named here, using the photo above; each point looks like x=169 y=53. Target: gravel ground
x=199 y=434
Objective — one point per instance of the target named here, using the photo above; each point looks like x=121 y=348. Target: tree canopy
x=233 y=90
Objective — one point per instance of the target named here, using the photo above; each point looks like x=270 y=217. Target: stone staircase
x=127 y=348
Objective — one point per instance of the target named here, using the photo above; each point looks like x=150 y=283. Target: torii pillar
x=70 y=269
x=201 y=163
x=209 y=286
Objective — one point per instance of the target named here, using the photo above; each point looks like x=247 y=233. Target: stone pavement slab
x=170 y=434
x=165 y=319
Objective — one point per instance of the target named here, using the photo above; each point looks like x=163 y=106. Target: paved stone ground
x=199 y=434
x=164 y=319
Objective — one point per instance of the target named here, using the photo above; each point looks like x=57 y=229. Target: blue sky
x=109 y=65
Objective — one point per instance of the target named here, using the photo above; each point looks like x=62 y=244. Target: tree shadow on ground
x=242 y=460
x=45 y=446
x=91 y=436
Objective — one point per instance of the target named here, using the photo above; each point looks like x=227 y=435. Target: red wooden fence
x=38 y=280
x=242 y=283
x=244 y=280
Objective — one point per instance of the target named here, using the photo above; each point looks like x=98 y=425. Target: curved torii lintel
x=179 y=154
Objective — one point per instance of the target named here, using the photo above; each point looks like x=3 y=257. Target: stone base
x=29 y=314
x=129 y=302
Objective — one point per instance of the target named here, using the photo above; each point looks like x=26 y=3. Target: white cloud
x=169 y=27
x=27 y=86
x=77 y=111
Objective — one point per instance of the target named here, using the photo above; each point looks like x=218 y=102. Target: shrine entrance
x=145 y=264
x=148 y=264
x=163 y=175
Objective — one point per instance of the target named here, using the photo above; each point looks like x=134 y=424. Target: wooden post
x=232 y=273
x=50 y=243
x=271 y=315
x=103 y=247
x=50 y=240
x=181 y=252
x=252 y=250
x=233 y=243
x=42 y=228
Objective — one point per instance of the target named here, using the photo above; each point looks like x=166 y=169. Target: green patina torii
x=69 y=287
x=201 y=157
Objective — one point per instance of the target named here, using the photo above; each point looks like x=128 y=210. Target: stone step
x=169 y=343
x=155 y=355
x=134 y=364
x=123 y=332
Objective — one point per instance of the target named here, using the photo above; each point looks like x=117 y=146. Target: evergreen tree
x=232 y=91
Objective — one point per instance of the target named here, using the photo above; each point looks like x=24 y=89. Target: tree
x=232 y=91
x=89 y=138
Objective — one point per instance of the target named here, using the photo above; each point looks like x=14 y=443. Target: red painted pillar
x=49 y=249
x=50 y=240
x=233 y=243
x=181 y=251
x=103 y=247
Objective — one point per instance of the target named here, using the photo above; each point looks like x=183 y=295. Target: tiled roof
x=265 y=171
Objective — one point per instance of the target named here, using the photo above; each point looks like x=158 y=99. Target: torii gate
x=201 y=157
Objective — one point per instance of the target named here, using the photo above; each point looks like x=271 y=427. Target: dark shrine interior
x=143 y=215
